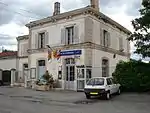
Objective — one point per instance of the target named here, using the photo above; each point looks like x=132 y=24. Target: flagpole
x=48 y=46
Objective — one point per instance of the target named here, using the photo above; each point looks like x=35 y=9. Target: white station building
x=87 y=42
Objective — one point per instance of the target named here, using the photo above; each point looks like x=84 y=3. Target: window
x=105 y=38
x=25 y=66
x=96 y=81
x=70 y=71
x=41 y=62
x=109 y=82
x=88 y=73
x=105 y=68
x=70 y=35
x=41 y=40
x=70 y=61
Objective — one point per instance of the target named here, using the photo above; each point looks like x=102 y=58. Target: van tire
x=118 y=92
x=107 y=95
x=88 y=96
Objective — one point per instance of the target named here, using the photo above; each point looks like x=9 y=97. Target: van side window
x=109 y=82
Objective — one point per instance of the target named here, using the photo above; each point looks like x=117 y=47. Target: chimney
x=56 y=8
x=95 y=4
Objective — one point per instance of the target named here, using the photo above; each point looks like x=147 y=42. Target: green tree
x=141 y=35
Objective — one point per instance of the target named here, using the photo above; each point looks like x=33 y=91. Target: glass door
x=70 y=74
x=83 y=75
x=70 y=77
x=88 y=74
x=80 y=79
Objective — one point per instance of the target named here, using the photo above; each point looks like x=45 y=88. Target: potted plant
x=48 y=79
x=45 y=83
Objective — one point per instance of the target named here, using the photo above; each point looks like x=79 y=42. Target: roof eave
x=77 y=12
x=22 y=37
x=56 y=17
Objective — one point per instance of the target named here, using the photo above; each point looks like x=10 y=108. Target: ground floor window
x=41 y=68
x=70 y=72
x=105 y=67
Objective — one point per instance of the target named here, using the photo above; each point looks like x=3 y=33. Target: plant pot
x=42 y=87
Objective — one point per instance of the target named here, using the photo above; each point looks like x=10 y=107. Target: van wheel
x=118 y=92
x=107 y=96
x=88 y=96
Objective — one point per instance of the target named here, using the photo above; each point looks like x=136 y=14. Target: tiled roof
x=6 y=54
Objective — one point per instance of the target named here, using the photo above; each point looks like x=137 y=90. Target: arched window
x=105 y=67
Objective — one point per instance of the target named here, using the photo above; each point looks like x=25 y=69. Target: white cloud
x=13 y=29
x=121 y=11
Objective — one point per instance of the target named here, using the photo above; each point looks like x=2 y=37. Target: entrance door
x=41 y=68
x=83 y=75
x=80 y=79
x=6 y=77
x=70 y=74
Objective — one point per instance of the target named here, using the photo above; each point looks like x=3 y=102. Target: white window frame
x=40 y=44
x=105 y=68
x=69 y=37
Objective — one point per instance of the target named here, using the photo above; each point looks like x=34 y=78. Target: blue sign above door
x=71 y=52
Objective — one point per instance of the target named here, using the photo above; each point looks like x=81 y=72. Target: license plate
x=94 y=93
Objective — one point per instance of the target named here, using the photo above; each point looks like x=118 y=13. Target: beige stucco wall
x=20 y=63
x=115 y=34
x=23 y=47
x=97 y=62
x=37 y=56
x=8 y=64
x=54 y=30
x=33 y=60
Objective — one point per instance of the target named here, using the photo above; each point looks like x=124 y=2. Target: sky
x=14 y=14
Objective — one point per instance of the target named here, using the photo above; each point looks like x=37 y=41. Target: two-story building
x=81 y=44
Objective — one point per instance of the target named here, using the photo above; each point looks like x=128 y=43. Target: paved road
x=19 y=100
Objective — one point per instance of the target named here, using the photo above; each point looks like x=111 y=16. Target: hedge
x=134 y=76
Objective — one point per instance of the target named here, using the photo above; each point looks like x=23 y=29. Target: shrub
x=133 y=76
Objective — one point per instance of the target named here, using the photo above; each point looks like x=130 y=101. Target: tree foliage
x=6 y=50
x=133 y=75
x=141 y=35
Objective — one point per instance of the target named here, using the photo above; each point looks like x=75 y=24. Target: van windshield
x=96 y=81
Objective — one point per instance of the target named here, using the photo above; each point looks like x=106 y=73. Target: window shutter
x=36 y=42
x=101 y=37
x=63 y=38
x=46 y=39
x=108 y=39
x=76 y=35
x=26 y=48
x=120 y=43
x=21 y=49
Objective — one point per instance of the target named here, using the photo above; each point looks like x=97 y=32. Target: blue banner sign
x=71 y=52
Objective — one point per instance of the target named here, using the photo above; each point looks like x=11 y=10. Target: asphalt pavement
x=20 y=100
